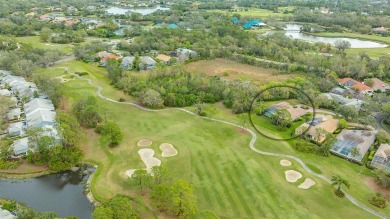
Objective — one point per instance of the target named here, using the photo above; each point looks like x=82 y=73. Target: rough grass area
x=234 y=70
x=229 y=178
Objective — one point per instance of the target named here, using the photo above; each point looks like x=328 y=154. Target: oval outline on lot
x=281 y=86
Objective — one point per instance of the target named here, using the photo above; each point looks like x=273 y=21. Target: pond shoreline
x=321 y=34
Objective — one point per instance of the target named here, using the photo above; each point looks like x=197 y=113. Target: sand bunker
x=129 y=173
x=307 y=184
x=285 y=163
x=144 y=143
x=292 y=175
x=147 y=156
x=168 y=150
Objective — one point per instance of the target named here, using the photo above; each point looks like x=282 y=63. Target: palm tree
x=337 y=180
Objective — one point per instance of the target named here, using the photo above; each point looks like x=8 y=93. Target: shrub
x=121 y=99
x=81 y=73
x=202 y=114
x=378 y=201
x=339 y=193
x=305 y=107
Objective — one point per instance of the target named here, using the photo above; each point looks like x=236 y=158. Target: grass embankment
x=372 y=52
x=229 y=178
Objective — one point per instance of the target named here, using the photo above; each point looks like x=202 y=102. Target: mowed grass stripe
x=208 y=175
x=234 y=201
x=249 y=177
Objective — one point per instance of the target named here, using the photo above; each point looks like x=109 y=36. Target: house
x=345 y=100
x=318 y=127
x=44 y=17
x=103 y=54
x=147 y=62
x=379 y=30
x=294 y=112
x=381 y=159
x=103 y=61
x=5 y=92
x=31 y=14
x=378 y=84
x=172 y=26
x=16 y=129
x=20 y=146
x=163 y=58
x=127 y=62
x=355 y=85
x=40 y=118
x=347 y=93
x=186 y=54
x=234 y=20
x=14 y=114
x=38 y=104
x=347 y=140
x=253 y=23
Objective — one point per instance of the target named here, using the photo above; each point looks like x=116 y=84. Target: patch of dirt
x=234 y=70
x=370 y=181
x=242 y=131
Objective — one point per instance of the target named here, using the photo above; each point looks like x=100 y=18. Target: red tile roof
x=111 y=56
x=358 y=85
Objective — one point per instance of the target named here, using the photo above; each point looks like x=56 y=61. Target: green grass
x=229 y=178
x=385 y=126
x=372 y=52
x=35 y=42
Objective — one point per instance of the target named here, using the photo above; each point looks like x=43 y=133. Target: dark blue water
x=61 y=193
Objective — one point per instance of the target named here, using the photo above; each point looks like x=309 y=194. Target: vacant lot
x=234 y=70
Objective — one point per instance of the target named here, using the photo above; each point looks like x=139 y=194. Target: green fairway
x=35 y=42
x=230 y=179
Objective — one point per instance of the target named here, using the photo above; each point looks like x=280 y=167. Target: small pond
x=355 y=43
x=143 y=11
x=61 y=193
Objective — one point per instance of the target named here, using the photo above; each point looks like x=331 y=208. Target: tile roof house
x=103 y=61
x=294 y=112
x=353 y=84
x=127 y=62
x=381 y=29
x=314 y=126
x=381 y=159
x=186 y=53
x=163 y=58
x=349 y=139
x=378 y=84
x=147 y=62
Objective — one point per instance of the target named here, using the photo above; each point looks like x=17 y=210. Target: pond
x=61 y=193
x=355 y=43
x=143 y=11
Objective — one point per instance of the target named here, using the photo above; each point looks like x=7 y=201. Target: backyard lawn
x=230 y=179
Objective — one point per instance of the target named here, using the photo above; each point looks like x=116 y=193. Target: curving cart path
x=251 y=144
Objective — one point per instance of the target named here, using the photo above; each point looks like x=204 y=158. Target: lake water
x=143 y=11
x=355 y=43
x=61 y=193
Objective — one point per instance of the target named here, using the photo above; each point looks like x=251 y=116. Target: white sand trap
x=129 y=173
x=144 y=142
x=307 y=184
x=285 y=163
x=147 y=156
x=168 y=150
x=292 y=175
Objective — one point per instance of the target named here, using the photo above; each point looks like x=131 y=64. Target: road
x=379 y=117
x=251 y=144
